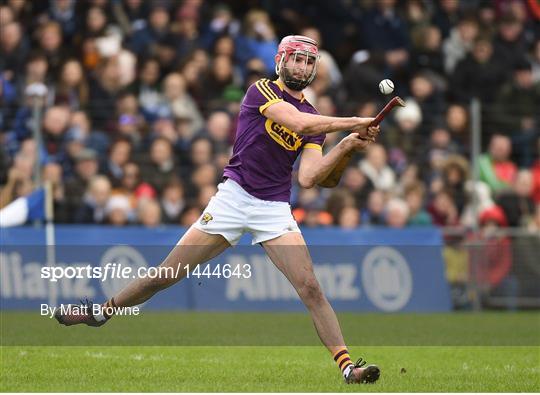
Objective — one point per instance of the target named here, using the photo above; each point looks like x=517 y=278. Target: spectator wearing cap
x=404 y=137
x=496 y=168
x=118 y=210
x=94 y=203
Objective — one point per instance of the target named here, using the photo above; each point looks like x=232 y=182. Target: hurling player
x=276 y=124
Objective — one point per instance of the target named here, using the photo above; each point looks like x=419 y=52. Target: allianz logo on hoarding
x=124 y=256
x=385 y=277
x=23 y=279
x=267 y=283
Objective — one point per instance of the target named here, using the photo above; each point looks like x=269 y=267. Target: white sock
x=99 y=317
x=347 y=370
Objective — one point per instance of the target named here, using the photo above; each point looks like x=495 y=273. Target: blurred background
x=128 y=109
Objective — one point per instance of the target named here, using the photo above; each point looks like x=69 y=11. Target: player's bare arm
x=326 y=171
x=286 y=114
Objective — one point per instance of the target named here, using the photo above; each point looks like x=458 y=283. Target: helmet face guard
x=304 y=52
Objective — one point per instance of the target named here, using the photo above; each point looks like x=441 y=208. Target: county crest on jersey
x=264 y=152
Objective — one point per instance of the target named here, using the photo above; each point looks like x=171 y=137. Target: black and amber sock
x=343 y=361
x=107 y=308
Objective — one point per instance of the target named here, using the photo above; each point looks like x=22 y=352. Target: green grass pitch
x=270 y=352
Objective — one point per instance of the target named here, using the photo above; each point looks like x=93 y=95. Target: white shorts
x=233 y=212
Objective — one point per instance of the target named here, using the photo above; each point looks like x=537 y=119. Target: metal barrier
x=493 y=268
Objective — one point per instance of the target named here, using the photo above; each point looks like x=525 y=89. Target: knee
x=311 y=293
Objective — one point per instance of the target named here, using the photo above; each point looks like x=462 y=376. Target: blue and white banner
x=23 y=209
x=362 y=270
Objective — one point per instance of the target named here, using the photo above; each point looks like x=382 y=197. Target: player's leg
x=220 y=226
x=193 y=249
x=290 y=254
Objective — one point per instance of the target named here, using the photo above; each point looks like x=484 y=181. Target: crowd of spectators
x=143 y=96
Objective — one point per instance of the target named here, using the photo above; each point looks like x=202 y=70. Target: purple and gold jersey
x=264 y=152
